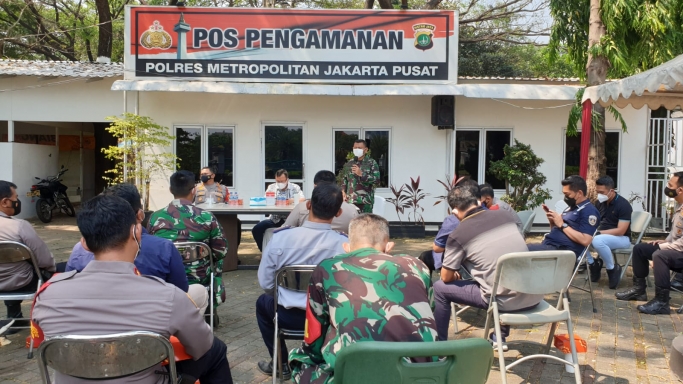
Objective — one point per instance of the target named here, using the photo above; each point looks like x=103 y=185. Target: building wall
x=417 y=148
x=544 y=130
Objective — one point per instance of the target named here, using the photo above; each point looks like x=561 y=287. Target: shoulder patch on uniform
x=592 y=219
x=283 y=228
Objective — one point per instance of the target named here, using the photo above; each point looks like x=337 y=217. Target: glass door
x=283 y=149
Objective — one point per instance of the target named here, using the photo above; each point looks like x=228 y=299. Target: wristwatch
x=564 y=225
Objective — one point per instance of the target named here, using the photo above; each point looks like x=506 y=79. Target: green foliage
x=494 y=58
x=576 y=115
x=448 y=184
x=141 y=152
x=519 y=168
x=641 y=34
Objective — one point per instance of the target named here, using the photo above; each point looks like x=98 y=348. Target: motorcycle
x=52 y=194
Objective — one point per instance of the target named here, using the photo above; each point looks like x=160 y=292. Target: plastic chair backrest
x=14 y=252
x=192 y=251
x=465 y=361
x=105 y=356
x=541 y=272
x=527 y=219
x=639 y=223
x=378 y=207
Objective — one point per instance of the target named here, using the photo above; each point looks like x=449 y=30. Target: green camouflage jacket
x=361 y=189
x=362 y=296
x=182 y=221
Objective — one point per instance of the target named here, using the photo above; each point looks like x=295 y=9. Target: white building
x=250 y=129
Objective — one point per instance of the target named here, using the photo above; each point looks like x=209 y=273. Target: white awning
x=486 y=91
x=661 y=86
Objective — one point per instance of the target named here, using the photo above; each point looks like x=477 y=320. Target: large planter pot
x=406 y=231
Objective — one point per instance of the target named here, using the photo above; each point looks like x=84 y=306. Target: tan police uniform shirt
x=109 y=297
x=16 y=275
x=299 y=214
x=675 y=239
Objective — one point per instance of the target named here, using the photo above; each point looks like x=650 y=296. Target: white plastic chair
x=193 y=251
x=14 y=252
x=640 y=221
x=105 y=356
x=527 y=219
x=378 y=207
x=538 y=273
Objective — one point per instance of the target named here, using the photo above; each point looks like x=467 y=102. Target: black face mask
x=205 y=178
x=672 y=193
x=571 y=202
x=16 y=205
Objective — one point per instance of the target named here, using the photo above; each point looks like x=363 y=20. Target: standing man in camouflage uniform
x=210 y=187
x=361 y=176
x=363 y=295
x=182 y=221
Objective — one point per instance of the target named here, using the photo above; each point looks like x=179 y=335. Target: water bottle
x=270 y=198
x=209 y=199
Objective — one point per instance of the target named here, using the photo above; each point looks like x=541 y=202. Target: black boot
x=595 y=270
x=637 y=292
x=614 y=276
x=659 y=305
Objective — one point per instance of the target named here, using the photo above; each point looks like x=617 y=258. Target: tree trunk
x=105 y=29
x=596 y=73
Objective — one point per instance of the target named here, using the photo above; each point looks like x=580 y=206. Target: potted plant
x=407 y=198
x=519 y=168
x=140 y=153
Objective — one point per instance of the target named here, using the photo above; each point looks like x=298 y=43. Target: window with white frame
x=572 y=154
x=379 y=145
x=200 y=146
x=476 y=149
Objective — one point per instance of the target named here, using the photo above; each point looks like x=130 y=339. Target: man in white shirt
x=282 y=188
x=309 y=244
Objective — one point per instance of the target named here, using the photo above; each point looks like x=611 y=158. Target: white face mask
x=602 y=198
x=281 y=185
x=357 y=152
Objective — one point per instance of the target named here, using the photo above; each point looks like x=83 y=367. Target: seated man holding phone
x=572 y=229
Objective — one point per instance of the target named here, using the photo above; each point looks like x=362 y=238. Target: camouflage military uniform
x=182 y=221
x=360 y=190
x=362 y=296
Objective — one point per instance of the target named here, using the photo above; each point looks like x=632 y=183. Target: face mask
x=672 y=193
x=357 y=152
x=138 y=243
x=16 y=205
x=602 y=198
x=571 y=202
x=281 y=185
x=205 y=178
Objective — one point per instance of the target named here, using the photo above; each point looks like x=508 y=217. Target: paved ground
x=623 y=345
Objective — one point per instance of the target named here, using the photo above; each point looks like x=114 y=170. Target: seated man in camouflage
x=339 y=314
x=182 y=221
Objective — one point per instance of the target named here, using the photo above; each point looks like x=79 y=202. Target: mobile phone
x=545 y=207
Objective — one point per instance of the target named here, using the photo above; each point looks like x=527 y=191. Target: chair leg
x=276 y=351
x=211 y=298
x=590 y=289
x=549 y=343
x=454 y=316
x=499 y=341
x=30 y=350
x=625 y=266
x=572 y=344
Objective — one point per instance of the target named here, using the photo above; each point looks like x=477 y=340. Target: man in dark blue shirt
x=572 y=229
x=158 y=257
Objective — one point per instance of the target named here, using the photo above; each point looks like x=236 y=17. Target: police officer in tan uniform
x=110 y=296
x=210 y=187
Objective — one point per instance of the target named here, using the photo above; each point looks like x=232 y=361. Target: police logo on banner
x=424 y=34
x=592 y=219
x=156 y=38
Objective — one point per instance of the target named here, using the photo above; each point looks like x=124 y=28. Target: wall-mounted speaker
x=443 y=112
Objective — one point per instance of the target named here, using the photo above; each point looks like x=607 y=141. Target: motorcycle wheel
x=44 y=211
x=67 y=207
